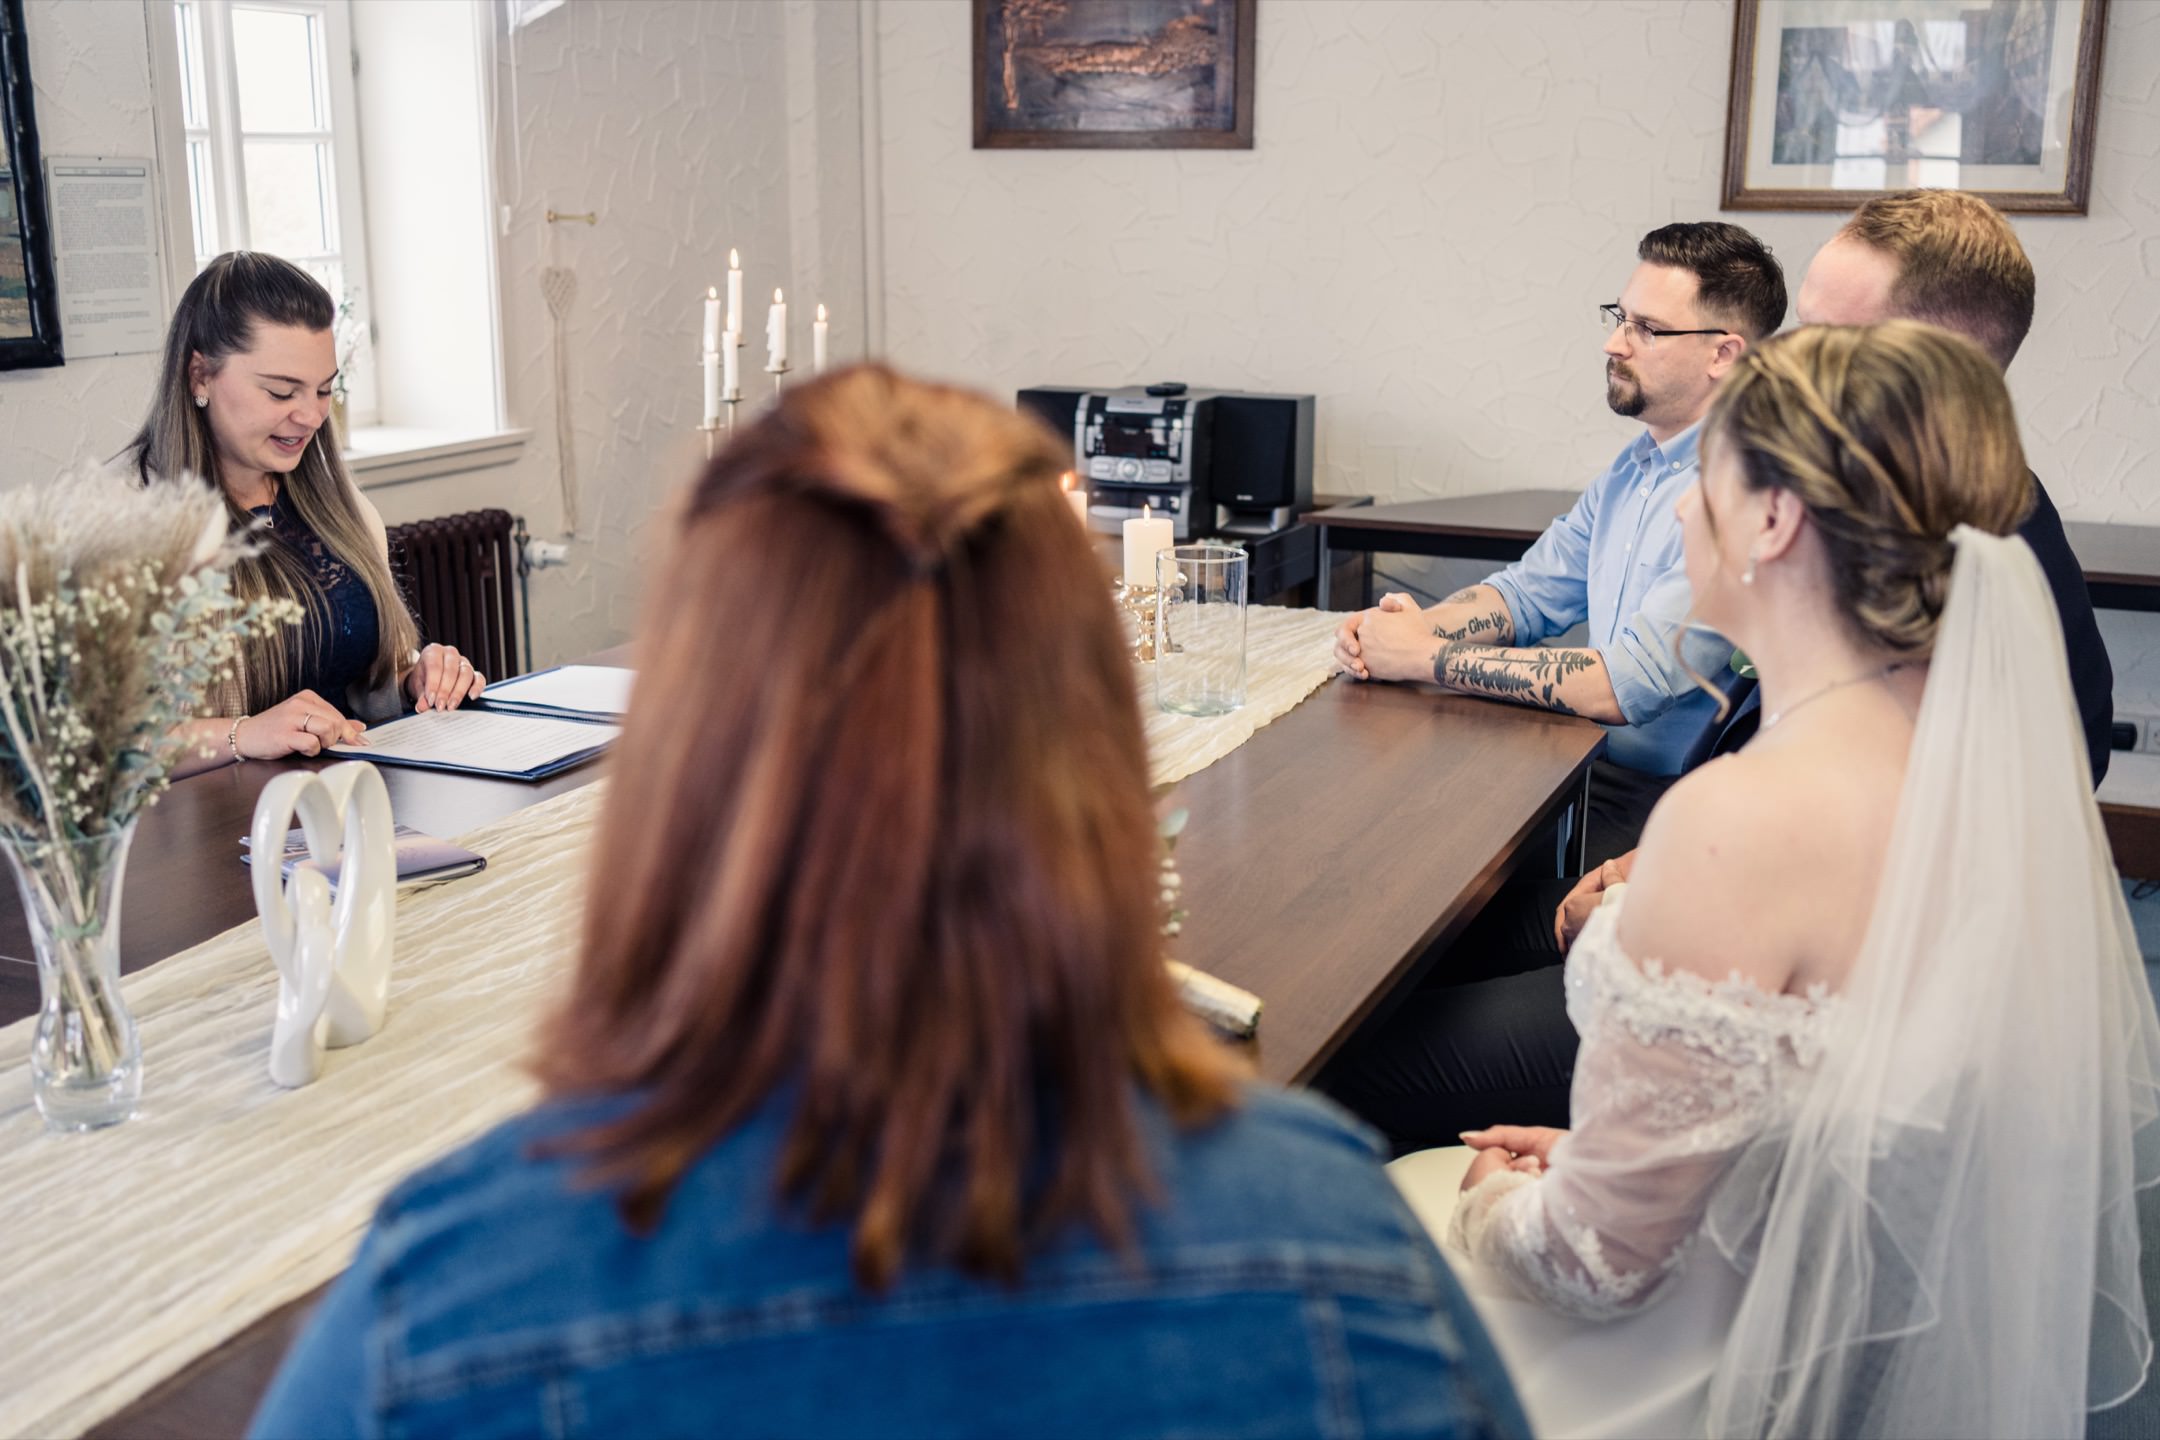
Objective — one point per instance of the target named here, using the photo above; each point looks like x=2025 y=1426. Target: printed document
x=476 y=740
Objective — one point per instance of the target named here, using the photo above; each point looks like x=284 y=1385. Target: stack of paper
x=567 y=692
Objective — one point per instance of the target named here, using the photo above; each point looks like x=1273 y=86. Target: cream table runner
x=127 y=1253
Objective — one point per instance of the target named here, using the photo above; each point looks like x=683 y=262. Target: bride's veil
x=1948 y=1230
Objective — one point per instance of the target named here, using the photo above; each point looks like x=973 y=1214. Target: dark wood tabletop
x=1512 y=515
x=2121 y=562
x=1322 y=859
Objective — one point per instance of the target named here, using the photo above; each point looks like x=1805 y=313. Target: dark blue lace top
x=334 y=649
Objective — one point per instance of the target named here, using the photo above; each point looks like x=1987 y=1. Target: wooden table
x=1323 y=858
x=2121 y=562
x=1499 y=526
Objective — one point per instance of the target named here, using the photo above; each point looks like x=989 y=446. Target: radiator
x=460 y=574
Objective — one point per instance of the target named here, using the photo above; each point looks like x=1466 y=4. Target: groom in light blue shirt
x=1700 y=296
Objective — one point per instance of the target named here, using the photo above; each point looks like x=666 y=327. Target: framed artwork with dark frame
x=1114 y=74
x=1834 y=101
x=29 y=295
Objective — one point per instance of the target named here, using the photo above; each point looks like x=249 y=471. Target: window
x=272 y=154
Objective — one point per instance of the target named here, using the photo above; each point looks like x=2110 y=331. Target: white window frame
x=222 y=133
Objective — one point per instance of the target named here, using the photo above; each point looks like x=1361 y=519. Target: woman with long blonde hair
x=242 y=403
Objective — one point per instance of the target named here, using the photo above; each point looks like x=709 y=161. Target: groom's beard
x=1623 y=391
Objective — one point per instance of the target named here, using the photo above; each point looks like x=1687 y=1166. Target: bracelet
x=232 y=738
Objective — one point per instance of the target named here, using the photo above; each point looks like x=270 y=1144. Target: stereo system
x=1215 y=462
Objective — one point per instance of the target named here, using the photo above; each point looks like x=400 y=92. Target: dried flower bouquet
x=117 y=614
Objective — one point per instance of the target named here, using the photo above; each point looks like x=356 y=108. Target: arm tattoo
x=1497 y=672
x=1461 y=597
x=1492 y=628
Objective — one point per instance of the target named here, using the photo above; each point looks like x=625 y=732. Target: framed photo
x=1114 y=74
x=1834 y=101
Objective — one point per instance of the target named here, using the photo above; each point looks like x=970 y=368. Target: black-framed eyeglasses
x=1648 y=335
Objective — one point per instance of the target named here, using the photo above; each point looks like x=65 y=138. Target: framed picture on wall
x=29 y=298
x=1114 y=74
x=1833 y=101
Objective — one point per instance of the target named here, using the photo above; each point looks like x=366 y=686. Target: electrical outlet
x=2143 y=727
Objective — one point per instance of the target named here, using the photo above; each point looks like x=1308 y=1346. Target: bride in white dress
x=1869 y=1068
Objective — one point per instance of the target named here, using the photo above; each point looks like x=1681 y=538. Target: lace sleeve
x=1675 y=1075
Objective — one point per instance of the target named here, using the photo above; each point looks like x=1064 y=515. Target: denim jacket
x=1278 y=1286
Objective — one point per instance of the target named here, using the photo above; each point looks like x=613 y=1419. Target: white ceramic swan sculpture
x=333 y=957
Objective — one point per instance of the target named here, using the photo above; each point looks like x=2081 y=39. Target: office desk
x=1322 y=858
x=1497 y=527
x=2121 y=562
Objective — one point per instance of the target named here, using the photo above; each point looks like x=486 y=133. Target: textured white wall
x=672 y=120
x=1439 y=196
x=90 y=69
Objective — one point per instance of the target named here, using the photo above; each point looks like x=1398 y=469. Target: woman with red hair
x=870 y=1107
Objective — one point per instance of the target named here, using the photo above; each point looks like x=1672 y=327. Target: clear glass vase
x=85 y=1060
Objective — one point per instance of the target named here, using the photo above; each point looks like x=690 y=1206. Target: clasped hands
x=1391 y=641
x=307 y=724
x=1526 y=1149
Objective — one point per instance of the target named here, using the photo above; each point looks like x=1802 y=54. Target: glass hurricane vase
x=85 y=1059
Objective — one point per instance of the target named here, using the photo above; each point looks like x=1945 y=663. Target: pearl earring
x=1747 y=576
x=201 y=401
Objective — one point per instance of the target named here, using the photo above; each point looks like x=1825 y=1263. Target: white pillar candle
x=1075 y=497
x=734 y=292
x=712 y=320
x=817 y=343
x=712 y=387
x=1143 y=537
x=731 y=354
x=776 y=332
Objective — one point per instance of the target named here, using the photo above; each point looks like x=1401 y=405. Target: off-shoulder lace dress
x=1675 y=1077
x=1675 y=1074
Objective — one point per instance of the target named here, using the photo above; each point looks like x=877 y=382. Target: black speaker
x=1263 y=454
x=1055 y=406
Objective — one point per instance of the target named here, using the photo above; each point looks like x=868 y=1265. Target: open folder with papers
x=567 y=692
x=475 y=742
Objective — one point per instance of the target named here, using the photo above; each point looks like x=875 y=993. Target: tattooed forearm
x=1492 y=628
x=1525 y=677
x=1463 y=597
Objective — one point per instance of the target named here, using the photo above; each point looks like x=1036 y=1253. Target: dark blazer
x=2092 y=678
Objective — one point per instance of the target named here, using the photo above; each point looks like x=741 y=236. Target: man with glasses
x=1701 y=294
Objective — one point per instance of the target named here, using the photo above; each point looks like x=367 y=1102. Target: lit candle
x=1143 y=537
x=776 y=332
x=712 y=320
x=817 y=343
x=734 y=292
x=1076 y=498
x=712 y=387
x=731 y=353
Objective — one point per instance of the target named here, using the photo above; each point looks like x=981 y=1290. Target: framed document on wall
x=1133 y=74
x=1833 y=101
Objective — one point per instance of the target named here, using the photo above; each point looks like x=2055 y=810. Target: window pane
x=275 y=60
x=202 y=200
x=189 y=16
x=288 y=197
